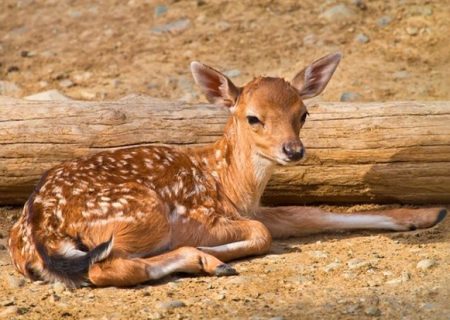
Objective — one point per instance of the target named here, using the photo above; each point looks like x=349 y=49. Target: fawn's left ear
x=216 y=86
x=312 y=80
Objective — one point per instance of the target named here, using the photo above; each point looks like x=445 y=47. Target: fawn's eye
x=303 y=118
x=252 y=120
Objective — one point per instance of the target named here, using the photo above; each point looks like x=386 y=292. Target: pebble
x=9 y=311
x=15 y=282
x=171 y=304
x=88 y=95
x=384 y=21
x=405 y=276
x=338 y=13
x=160 y=10
x=48 y=95
x=357 y=263
x=4 y=262
x=362 y=38
x=9 y=89
x=360 y=4
x=309 y=40
x=402 y=74
x=412 y=31
x=373 y=311
x=7 y=303
x=420 y=10
x=59 y=288
x=318 y=254
x=177 y=26
x=66 y=83
x=350 y=96
x=332 y=266
x=425 y=264
x=223 y=26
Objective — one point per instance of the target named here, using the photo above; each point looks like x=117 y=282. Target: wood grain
x=394 y=152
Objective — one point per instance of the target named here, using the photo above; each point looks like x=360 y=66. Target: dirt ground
x=393 y=50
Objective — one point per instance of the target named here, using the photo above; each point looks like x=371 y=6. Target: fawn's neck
x=242 y=173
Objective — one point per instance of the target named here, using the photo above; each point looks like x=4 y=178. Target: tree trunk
x=356 y=152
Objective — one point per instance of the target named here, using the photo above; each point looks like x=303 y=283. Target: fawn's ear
x=216 y=86
x=314 y=78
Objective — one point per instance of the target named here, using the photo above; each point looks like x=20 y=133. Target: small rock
x=8 y=312
x=91 y=295
x=74 y=14
x=277 y=318
x=13 y=69
x=173 y=27
x=48 y=95
x=412 y=31
x=7 y=303
x=82 y=77
x=233 y=73
x=160 y=10
x=332 y=266
x=9 y=89
x=66 y=83
x=309 y=40
x=362 y=38
x=171 y=304
x=405 y=276
x=27 y=54
x=223 y=26
x=4 y=262
x=350 y=96
x=360 y=4
x=220 y=296
x=54 y=298
x=402 y=74
x=155 y=316
x=59 y=288
x=384 y=21
x=373 y=311
x=420 y=10
x=425 y=264
x=357 y=263
x=338 y=13
x=15 y=282
x=88 y=95
x=318 y=254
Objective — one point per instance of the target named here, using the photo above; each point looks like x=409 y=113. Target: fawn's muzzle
x=293 y=150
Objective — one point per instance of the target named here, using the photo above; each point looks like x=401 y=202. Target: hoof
x=441 y=216
x=225 y=270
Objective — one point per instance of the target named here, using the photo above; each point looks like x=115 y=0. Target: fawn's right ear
x=216 y=86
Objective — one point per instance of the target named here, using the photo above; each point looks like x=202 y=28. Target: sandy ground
x=393 y=50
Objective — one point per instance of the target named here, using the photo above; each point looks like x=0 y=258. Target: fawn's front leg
x=293 y=221
x=236 y=239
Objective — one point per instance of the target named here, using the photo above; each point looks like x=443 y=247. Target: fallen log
x=394 y=152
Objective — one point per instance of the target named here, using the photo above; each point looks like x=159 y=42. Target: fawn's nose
x=293 y=150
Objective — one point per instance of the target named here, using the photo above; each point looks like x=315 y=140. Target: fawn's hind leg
x=286 y=222
x=122 y=271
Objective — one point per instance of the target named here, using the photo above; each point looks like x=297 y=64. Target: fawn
x=123 y=217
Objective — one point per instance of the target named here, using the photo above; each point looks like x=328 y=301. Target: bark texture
x=394 y=152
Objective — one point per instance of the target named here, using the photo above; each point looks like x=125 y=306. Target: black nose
x=293 y=150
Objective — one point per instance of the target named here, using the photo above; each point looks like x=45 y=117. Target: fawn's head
x=269 y=112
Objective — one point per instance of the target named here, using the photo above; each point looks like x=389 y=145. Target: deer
x=128 y=216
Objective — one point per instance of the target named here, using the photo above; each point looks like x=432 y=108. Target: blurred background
x=97 y=50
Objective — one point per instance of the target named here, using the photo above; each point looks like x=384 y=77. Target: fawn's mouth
x=280 y=161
